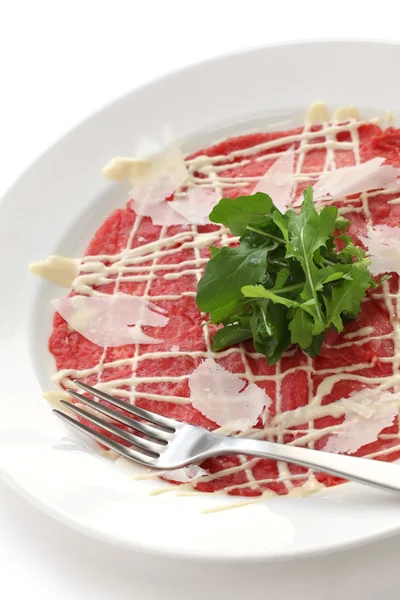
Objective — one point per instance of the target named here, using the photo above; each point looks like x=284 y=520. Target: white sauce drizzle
x=362 y=333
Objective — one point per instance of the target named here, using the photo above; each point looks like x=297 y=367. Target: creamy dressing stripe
x=65 y=374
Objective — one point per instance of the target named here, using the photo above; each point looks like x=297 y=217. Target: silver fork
x=169 y=444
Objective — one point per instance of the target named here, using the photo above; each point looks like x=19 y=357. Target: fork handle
x=378 y=474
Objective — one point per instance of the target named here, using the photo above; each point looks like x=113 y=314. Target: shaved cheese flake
x=346 y=113
x=218 y=395
x=360 y=409
x=155 y=173
x=167 y=172
x=57 y=269
x=185 y=474
x=383 y=243
x=121 y=168
x=147 y=150
x=317 y=113
x=370 y=175
x=156 y=177
x=362 y=425
x=107 y=321
x=196 y=205
x=278 y=180
x=161 y=214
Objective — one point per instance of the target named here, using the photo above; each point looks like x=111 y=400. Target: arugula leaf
x=269 y=328
x=222 y=313
x=240 y=212
x=258 y=291
x=346 y=296
x=301 y=328
x=341 y=223
x=350 y=250
x=282 y=222
x=281 y=277
x=260 y=234
x=335 y=276
x=376 y=284
x=227 y=273
x=308 y=231
x=229 y=335
x=315 y=347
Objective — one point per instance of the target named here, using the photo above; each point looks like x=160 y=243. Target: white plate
x=57 y=206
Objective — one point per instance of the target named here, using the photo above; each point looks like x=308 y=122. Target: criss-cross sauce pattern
x=164 y=264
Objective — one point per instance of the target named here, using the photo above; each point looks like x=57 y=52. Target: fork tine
x=141 y=443
x=102 y=439
x=170 y=424
x=157 y=434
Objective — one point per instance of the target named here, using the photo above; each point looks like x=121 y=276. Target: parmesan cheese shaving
x=346 y=113
x=160 y=213
x=121 y=168
x=278 y=180
x=155 y=174
x=57 y=269
x=383 y=243
x=196 y=205
x=317 y=113
x=165 y=174
x=219 y=396
x=107 y=321
x=53 y=397
x=359 y=408
x=371 y=175
x=368 y=417
x=185 y=474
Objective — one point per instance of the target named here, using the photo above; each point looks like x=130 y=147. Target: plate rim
x=180 y=70
x=185 y=555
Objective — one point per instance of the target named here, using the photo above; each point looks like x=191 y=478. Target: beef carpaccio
x=163 y=264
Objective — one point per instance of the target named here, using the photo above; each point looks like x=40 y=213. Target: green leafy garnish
x=244 y=210
x=229 y=335
x=346 y=296
x=292 y=277
x=227 y=272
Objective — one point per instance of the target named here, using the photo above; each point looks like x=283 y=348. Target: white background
x=59 y=62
